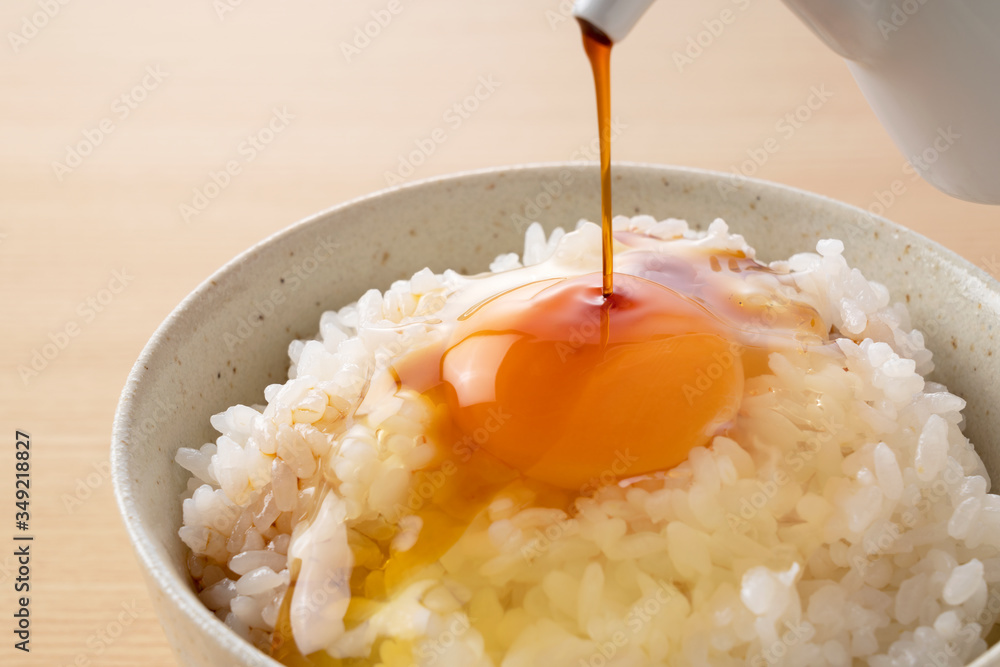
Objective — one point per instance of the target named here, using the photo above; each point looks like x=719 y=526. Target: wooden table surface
x=115 y=114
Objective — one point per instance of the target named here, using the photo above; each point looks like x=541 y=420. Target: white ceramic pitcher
x=930 y=69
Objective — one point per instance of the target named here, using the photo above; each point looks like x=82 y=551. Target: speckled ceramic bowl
x=229 y=338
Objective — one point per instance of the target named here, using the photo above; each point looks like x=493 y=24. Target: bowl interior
x=229 y=338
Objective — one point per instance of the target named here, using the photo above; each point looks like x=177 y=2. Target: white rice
x=847 y=522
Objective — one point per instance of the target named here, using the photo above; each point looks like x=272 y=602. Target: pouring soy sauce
x=597 y=46
x=627 y=380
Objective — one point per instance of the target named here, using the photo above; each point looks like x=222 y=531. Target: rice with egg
x=846 y=521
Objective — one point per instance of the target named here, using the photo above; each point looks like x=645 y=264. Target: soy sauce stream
x=597 y=45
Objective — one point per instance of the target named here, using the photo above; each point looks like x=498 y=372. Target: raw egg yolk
x=576 y=390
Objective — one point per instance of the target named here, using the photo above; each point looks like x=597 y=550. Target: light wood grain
x=62 y=240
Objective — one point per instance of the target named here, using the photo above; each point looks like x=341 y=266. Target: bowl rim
x=159 y=572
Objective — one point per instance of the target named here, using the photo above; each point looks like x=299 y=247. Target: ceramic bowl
x=228 y=340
